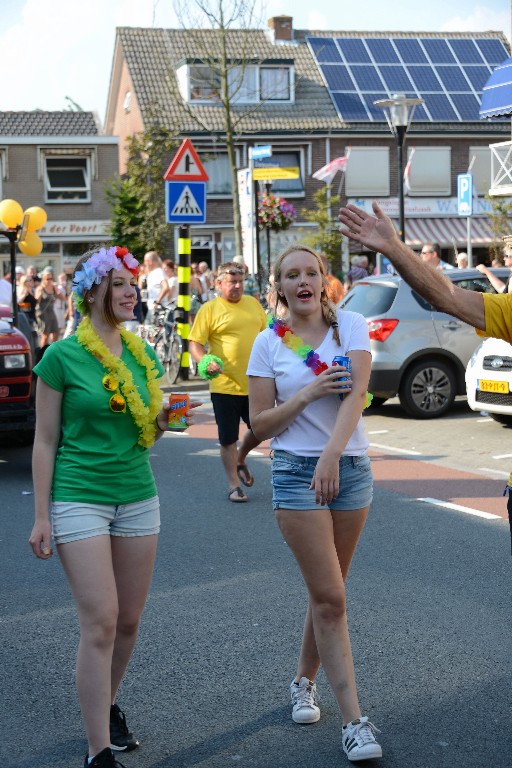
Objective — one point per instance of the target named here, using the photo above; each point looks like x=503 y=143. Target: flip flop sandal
x=240 y=497
x=245 y=475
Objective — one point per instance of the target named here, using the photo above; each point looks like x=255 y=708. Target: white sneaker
x=304 y=699
x=358 y=740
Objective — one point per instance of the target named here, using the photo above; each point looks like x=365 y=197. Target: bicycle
x=163 y=336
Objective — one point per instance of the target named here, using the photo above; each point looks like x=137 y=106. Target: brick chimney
x=282 y=28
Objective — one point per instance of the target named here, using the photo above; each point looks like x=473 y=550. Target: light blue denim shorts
x=292 y=476
x=74 y=520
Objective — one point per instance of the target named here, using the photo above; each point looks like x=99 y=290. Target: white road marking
x=496 y=471
x=396 y=450
x=378 y=432
x=484 y=420
x=503 y=456
x=460 y=508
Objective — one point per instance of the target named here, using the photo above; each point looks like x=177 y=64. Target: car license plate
x=4 y=391
x=488 y=385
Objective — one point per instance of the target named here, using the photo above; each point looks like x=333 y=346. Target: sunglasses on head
x=232 y=272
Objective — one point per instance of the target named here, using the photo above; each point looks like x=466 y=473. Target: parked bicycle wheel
x=174 y=359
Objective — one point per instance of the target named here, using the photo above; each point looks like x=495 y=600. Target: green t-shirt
x=99 y=459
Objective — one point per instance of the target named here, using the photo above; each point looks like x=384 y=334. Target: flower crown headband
x=97 y=267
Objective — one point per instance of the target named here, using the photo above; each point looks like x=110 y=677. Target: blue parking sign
x=465 y=194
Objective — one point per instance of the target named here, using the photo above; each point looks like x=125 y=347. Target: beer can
x=179 y=403
x=347 y=363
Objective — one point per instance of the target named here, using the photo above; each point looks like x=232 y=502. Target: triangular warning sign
x=186 y=204
x=186 y=165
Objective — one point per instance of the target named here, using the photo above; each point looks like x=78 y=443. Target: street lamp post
x=399 y=111
x=20 y=227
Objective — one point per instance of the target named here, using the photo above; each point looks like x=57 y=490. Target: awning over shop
x=497 y=92
x=447 y=231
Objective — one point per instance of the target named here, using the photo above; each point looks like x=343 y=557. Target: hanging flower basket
x=275 y=213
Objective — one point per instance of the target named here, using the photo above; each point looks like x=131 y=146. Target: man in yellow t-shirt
x=229 y=324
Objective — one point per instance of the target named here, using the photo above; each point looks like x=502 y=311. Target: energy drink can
x=179 y=403
x=347 y=363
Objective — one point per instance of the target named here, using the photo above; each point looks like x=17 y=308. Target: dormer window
x=248 y=83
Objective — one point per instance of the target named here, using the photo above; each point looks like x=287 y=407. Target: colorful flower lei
x=143 y=415
x=97 y=267
x=308 y=354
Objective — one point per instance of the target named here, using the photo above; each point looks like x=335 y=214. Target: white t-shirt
x=154 y=283
x=5 y=292
x=308 y=434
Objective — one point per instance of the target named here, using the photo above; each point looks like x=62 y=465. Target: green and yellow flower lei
x=120 y=377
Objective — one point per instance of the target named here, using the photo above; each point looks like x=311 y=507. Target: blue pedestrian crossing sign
x=185 y=202
x=465 y=194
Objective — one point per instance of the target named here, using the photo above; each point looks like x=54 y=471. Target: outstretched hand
x=376 y=232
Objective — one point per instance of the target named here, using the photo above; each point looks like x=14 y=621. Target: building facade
x=60 y=162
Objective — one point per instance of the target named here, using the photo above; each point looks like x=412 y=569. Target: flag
x=329 y=171
x=407 y=172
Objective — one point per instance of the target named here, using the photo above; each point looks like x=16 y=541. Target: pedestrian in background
x=228 y=325
x=98 y=414
x=321 y=476
x=357 y=271
x=46 y=295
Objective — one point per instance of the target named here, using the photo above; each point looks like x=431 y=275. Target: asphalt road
x=429 y=612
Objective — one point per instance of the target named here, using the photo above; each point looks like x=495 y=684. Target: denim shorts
x=74 y=520
x=292 y=476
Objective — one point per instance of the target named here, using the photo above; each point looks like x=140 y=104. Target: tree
x=224 y=74
x=326 y=238
x=499 y=222
x=137 y=198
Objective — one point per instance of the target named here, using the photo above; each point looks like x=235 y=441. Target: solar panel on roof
x=382 y=50
x=325 y=49
x=493 y=50
x=466 y=51
x=437 y=50
x=425 y=79
x=467 y=105
x=439 y=107
x=453 y=79
x=367 y=78
x=354 y=50
x=338 y=77
x=396 y=78
x=350 y=106
x=410 y=51
x=449 y=73
x=478 y=76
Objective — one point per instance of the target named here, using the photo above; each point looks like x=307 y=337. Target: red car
x=17 y=385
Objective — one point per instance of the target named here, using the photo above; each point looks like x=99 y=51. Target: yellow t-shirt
x=229 y=328
x=498 y=316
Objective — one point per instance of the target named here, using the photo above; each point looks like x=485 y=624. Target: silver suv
x=418 y=353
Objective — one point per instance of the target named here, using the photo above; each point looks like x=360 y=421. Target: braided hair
x=328 y=308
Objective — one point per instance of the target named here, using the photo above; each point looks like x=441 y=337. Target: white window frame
x=246 y=92
x=481 y=169
x=367 y=172
x=4 y=169
x=423 y=180
x=84 y=165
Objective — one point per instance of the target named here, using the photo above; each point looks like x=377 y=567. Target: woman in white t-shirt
x=321 y=476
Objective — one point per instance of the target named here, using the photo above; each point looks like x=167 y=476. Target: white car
x=489 y=380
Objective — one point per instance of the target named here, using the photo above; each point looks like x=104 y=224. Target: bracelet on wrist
x=158 y=425
x=202 y=366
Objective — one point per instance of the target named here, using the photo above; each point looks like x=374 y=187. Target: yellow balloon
x=11 y=213
x=36 y=218
x=32 y=245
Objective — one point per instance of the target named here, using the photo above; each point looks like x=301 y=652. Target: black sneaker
x=121 y=740
x=104 y=759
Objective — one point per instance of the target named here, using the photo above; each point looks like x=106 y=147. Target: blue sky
x=53 y=49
